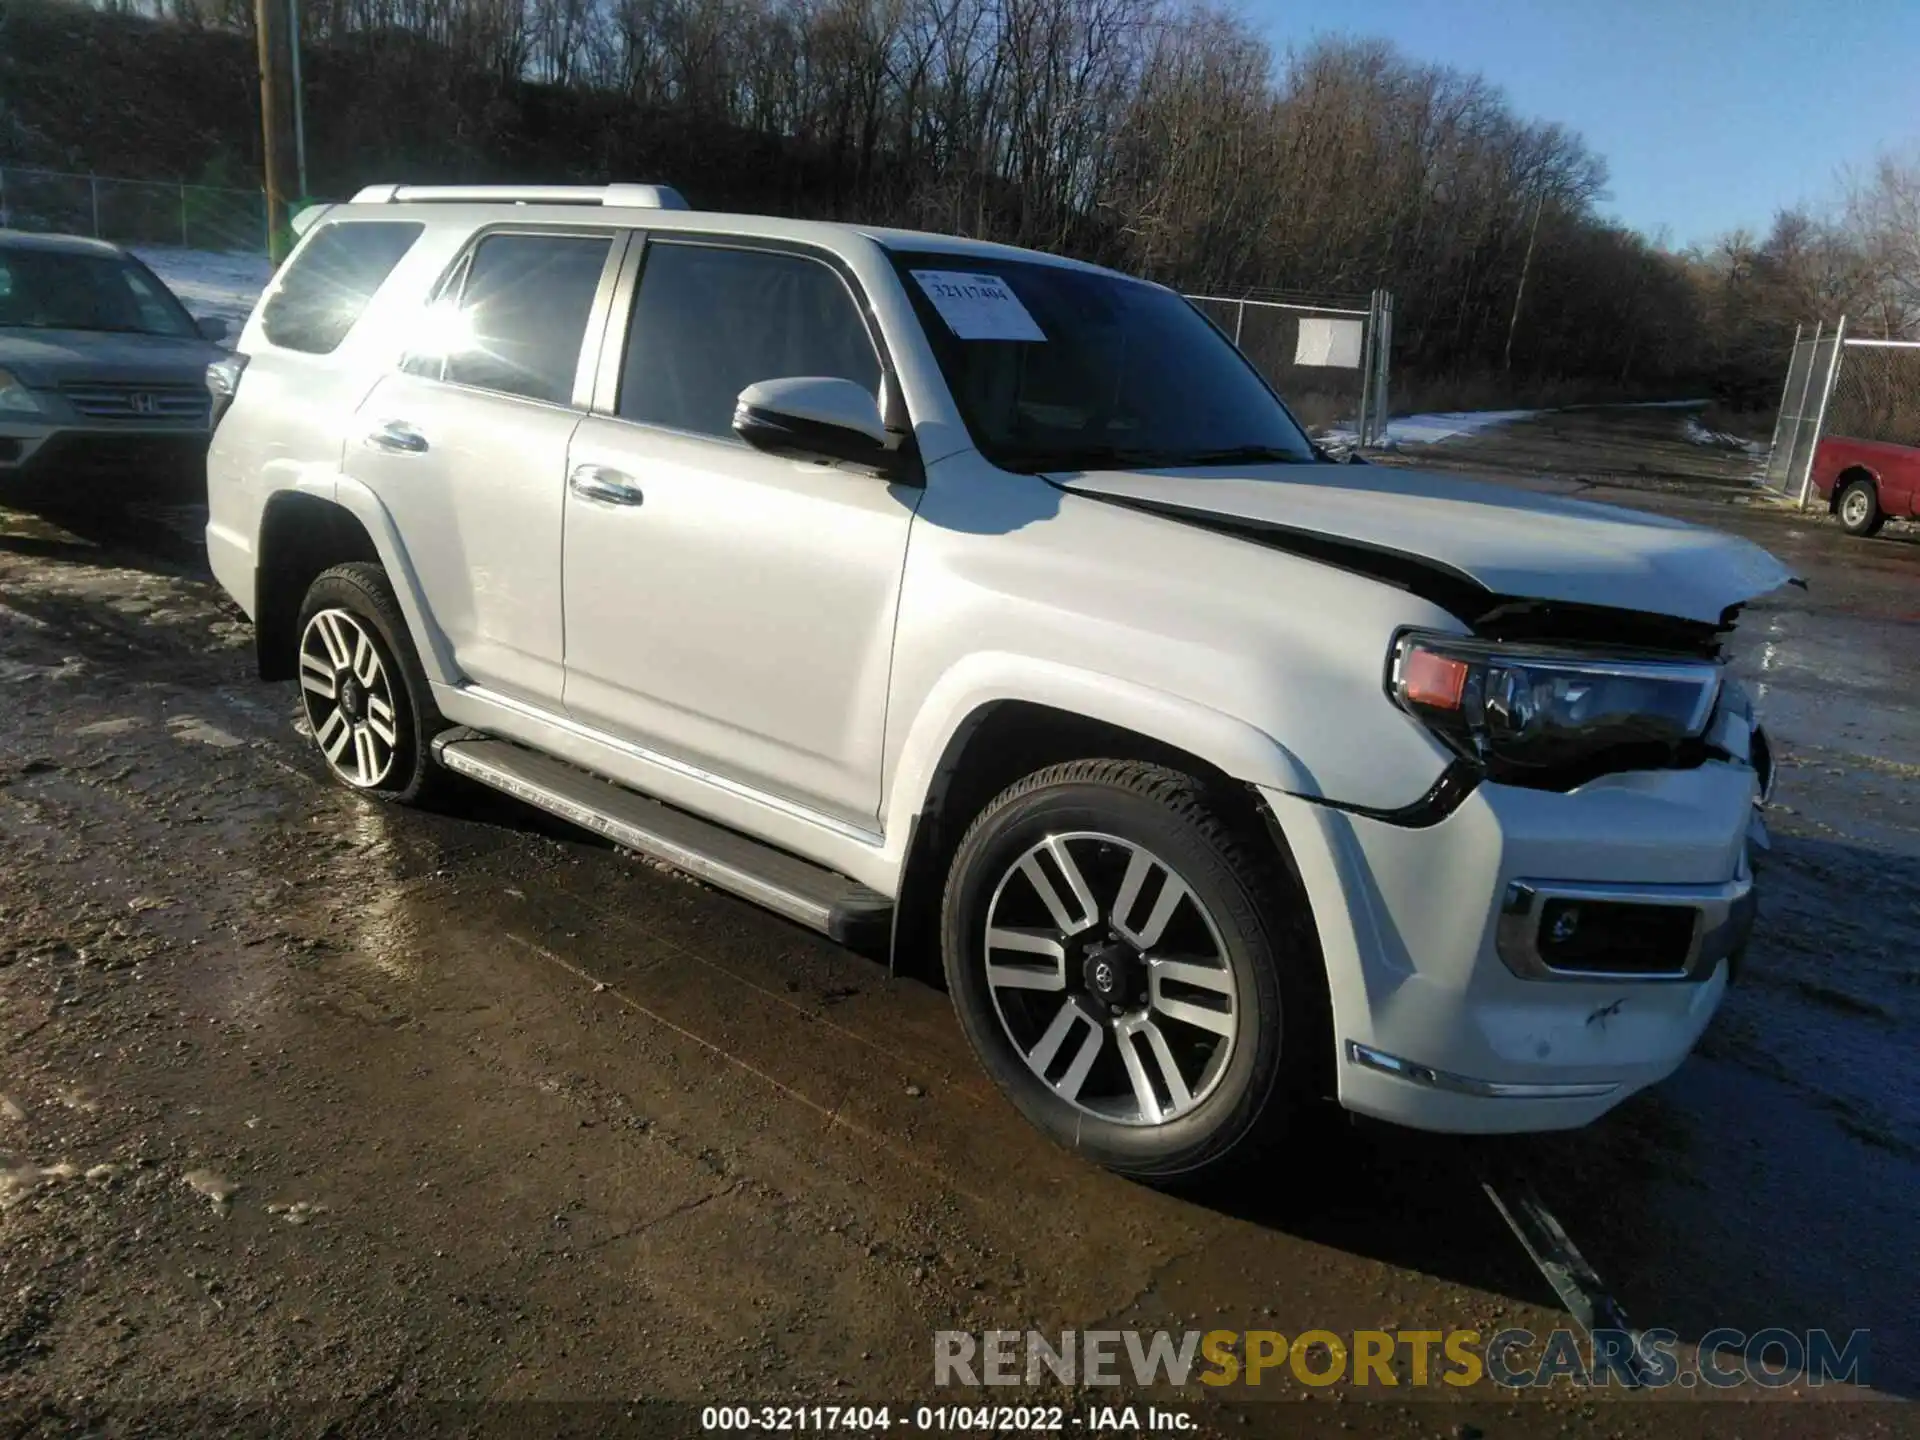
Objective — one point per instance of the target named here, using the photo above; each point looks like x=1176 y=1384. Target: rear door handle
x=396 y=437
x=608 y=486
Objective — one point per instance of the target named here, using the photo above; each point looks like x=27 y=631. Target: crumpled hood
x=46 y=358
x=1512 y=543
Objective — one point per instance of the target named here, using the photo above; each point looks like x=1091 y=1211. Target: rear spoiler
x=305 y=219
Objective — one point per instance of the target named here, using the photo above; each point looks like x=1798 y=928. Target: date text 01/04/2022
x=947 y=1419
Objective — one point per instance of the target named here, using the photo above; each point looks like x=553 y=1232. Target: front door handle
x=608 y=486
x=396 y=437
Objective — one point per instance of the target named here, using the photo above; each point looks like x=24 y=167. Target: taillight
x=223 y=383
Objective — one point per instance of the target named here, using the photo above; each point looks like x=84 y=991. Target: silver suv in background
x=989 y=608
x=102 y=370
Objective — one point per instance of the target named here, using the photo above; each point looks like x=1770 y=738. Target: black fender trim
x=1456 y=783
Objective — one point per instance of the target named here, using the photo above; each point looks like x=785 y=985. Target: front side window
x=1058 y=368
x=521 y=315
x=63 y=290
x=709 y=320
x=326 y=288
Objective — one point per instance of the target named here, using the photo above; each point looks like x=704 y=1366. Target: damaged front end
x=1594 y=635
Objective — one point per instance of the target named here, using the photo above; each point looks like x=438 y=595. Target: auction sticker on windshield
x=978 y=307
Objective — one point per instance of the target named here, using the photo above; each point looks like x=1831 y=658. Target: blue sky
x=1710 y=113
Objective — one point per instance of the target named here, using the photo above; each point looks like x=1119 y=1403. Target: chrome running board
x=803 y=892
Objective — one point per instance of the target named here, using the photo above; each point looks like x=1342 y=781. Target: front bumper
x=1447 y=1015
x=90 y=452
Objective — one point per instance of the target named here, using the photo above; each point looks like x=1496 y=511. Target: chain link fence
x=1876 y=392
x=1840 y=387
x=1328 y=357
x=134 y=212
x=1796 y=427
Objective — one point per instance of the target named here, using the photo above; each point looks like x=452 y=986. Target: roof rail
x=643 y=197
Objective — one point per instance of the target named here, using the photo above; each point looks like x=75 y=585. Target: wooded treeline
x=1160 y=136
x=1861 y=260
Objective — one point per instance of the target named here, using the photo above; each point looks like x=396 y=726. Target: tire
x=1244 y=1028
x=1859 y=509
x=372 y=721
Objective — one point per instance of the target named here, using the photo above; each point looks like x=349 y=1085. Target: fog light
x=1564 y=925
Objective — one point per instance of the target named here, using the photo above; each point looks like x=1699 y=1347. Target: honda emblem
x=144 y=404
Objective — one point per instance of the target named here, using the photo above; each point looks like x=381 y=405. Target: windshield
x=1056 y=368
x=60 y=290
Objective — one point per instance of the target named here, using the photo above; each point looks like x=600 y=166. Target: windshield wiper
x=1139 y=458
x=1088 y=457
x=1246 y=455
x=90 y=329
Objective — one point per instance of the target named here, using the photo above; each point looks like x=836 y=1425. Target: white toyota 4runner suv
x=978 y=603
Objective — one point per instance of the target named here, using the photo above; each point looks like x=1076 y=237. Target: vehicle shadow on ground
x=159 y=533
x=1401 y=1197
x=1902 y=534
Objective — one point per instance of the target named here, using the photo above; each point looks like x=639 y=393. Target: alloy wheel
x=1110 y=978
x=1853 y=509
x=348 y=697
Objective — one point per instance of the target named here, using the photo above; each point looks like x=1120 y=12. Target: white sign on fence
x=1329 y=342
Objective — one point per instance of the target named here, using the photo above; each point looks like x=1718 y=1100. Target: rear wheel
x=366 y=700
x=1859 y=509
x=1131 y=971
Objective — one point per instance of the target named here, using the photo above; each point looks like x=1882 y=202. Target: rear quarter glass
x=316 y=304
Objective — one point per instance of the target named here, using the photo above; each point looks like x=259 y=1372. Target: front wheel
x=1859 y=509
x=1133 y=973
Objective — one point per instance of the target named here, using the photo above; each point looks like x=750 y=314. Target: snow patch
x=201 y=732
x=11 y=670
x=1721 y=440
x=215 y=1187
x=210 y=282
x=17 y=1183
x=1432 y=429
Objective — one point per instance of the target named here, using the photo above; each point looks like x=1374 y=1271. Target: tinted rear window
x=523 y=313
x=328 y=285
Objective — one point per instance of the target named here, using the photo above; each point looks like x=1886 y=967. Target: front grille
x=138 y=402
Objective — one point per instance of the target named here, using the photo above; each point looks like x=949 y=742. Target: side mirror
x=212 y=327
x=812 y=417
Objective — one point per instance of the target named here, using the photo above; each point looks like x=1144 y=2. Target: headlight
x=1538 y=715
x=15 y=398
x=223 y=383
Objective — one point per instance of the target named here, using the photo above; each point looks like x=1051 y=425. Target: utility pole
x=1526 y=264
x=272 y=116
x=299 y=101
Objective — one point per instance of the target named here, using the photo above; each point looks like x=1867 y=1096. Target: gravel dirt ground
x=337 y=1114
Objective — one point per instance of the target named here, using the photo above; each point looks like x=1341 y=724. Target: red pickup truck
x=1867 y=482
